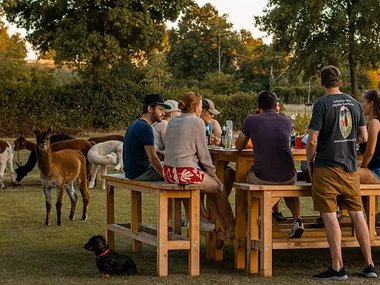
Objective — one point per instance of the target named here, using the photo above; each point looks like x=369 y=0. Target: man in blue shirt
x=139 y=155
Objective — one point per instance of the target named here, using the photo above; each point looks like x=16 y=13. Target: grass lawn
x=34 y=254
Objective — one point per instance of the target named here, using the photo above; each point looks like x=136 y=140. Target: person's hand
x=220 y=184
x=215 y=140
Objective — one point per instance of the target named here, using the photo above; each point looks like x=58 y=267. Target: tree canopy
x=204 y=42
x=317 y=33
x=12 y=54
x=98 y=33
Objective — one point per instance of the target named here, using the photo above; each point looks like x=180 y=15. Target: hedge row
x=76 y=108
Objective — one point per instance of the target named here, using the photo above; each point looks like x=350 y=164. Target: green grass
x=34 y=254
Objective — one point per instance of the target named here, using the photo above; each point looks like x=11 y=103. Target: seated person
x=139 y=154
x=369 y=170
x=186 y=148
x=208 y=116
x=160 y=127
x=274 y=164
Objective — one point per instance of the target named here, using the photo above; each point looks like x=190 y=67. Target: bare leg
x=361 y=230
x=222 y=203
x=229 y=179
x=334 y=238
x=293 y=204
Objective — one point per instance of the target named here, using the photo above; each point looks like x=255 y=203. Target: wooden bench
x=163 y=237
x=263 y=236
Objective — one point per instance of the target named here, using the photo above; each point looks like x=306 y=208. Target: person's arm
x=363 y=134
x=373 y=131
x=153 y=159
x=241 y=141
x=216 y=128
x=311 y=147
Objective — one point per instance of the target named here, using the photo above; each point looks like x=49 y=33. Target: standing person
x=336 y=124
x=269 y=132
x=185 y=148
x=139 y=154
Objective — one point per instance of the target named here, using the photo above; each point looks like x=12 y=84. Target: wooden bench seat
x=263 y=236
x=163 y=236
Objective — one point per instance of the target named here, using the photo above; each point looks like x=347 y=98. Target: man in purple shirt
x=270 y=132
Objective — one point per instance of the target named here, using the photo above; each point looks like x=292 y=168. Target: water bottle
x=224 y=133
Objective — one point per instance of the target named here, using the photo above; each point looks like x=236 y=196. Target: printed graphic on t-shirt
x=345 y=121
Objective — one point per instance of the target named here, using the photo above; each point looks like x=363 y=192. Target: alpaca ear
x=49 y=130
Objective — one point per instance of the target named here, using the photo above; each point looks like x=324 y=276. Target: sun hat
x=209 y=106
x=171 y=106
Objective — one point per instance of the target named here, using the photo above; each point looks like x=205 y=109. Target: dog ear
x=105 y=242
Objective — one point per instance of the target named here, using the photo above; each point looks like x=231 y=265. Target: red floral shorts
x=183 y=175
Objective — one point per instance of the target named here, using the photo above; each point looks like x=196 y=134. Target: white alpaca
x=6 y=159
x=103 y=154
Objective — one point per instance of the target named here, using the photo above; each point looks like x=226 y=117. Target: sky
x=240 y=13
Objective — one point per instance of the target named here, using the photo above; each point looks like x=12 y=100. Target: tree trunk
x=352 y=47
x=353 y=75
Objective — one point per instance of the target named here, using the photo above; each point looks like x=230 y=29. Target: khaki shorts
x=252 y=178
x=331 y=184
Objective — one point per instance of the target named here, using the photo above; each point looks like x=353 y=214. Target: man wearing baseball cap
x=208 y=116
x=139 y=155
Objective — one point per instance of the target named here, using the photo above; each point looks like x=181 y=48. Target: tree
x=204 y=42
x=93 y=33
x=319 y=33
x=12 y=57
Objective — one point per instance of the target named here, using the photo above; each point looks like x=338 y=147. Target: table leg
x=136 y=218
x=110 y=209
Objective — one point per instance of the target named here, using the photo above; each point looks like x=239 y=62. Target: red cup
x=298 y=143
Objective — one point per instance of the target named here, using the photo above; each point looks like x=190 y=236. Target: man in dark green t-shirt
x=336 y=125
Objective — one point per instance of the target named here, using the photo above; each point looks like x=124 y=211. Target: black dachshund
x=108 y=261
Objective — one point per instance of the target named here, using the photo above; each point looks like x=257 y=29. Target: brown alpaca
x=60 y=169
x=76 y=144
x=106 y=138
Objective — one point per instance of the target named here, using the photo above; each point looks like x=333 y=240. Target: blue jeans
x=150 y=175
x=376 y=173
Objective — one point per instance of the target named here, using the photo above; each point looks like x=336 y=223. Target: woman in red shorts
x=186 y=150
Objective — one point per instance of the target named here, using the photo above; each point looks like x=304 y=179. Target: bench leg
x=136 y=218
x=194 y=256
x=240 y=228
x=253 y=234
x=266 y=235
x=162 y=234
x=110 y=209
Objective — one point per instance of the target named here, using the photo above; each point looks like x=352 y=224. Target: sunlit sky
x=240 y=13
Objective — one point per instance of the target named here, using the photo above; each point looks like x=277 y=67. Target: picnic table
x=243 y=160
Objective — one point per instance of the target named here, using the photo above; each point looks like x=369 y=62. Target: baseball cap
x=172 y=104
x=209 y=106
x=155 y=99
